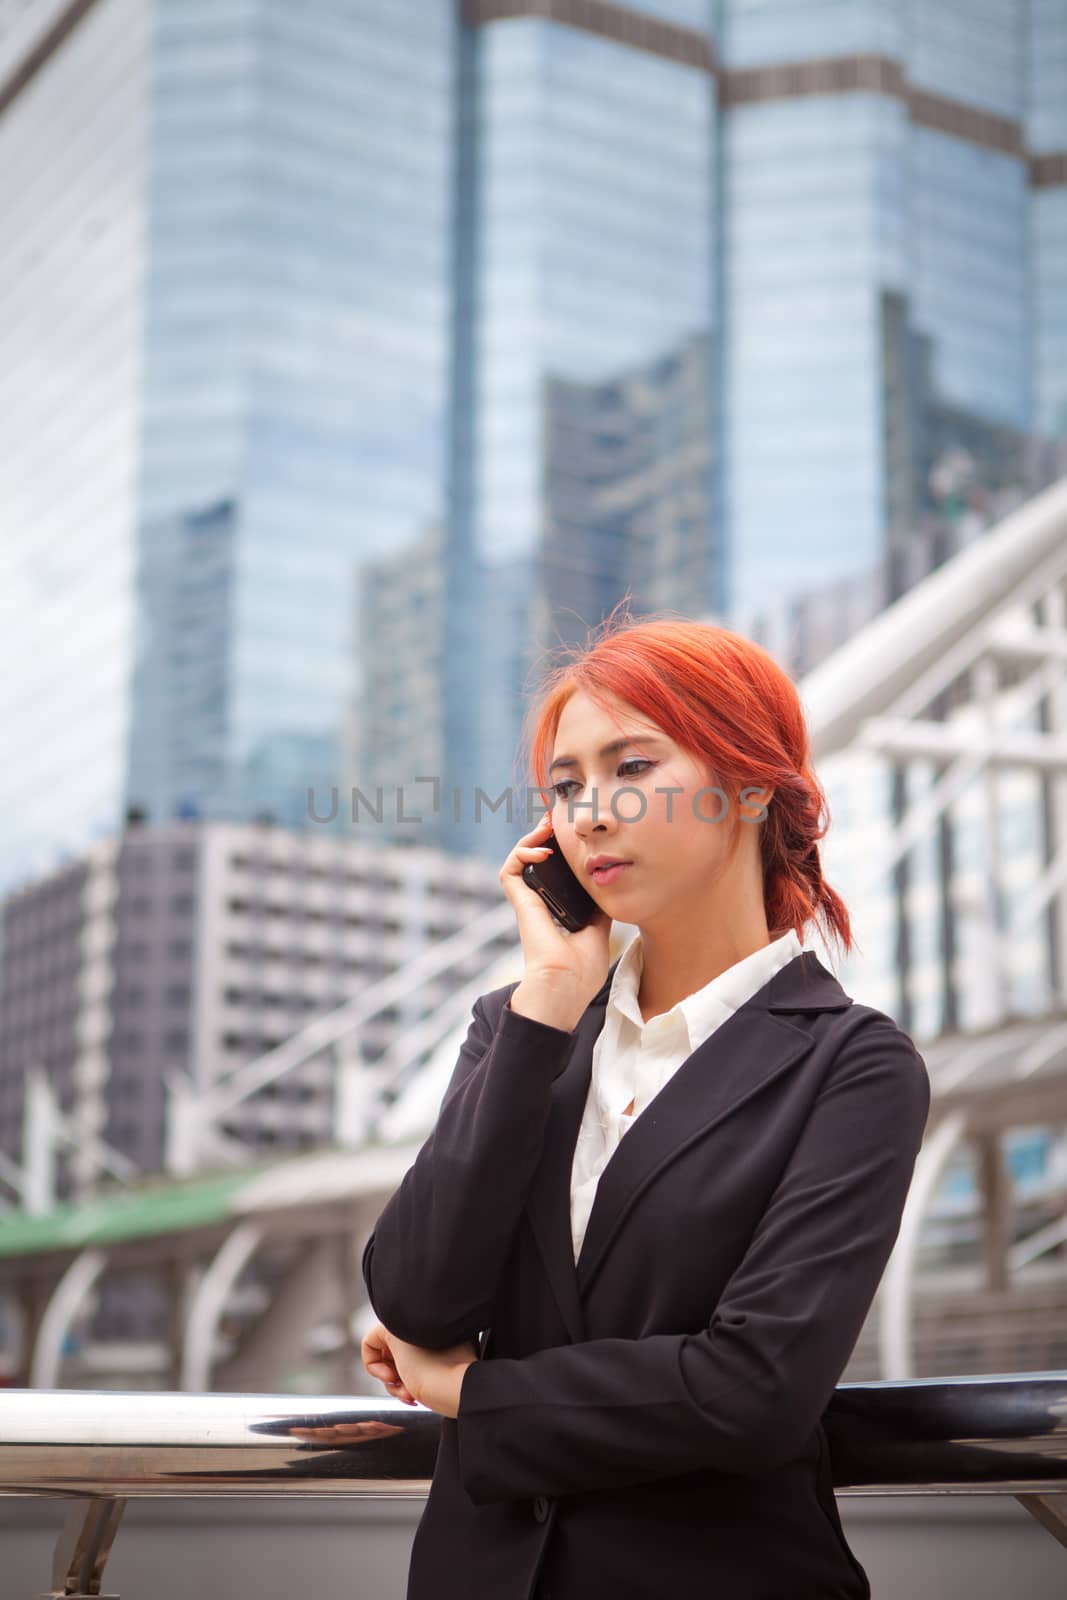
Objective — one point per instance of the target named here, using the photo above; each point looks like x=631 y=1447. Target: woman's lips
x=609 y=874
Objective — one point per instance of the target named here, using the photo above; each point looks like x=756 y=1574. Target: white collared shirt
x=633 y=1059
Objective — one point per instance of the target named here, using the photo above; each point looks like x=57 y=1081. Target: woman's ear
x=754 y=802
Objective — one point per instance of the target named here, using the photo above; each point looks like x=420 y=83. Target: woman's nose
x=600 y=816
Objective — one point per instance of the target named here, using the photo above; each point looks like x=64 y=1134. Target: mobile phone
x=564 y=896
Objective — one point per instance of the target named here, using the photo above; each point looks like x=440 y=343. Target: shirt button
x=540 y=1508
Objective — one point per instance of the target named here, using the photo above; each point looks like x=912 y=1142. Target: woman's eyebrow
x=609 y=749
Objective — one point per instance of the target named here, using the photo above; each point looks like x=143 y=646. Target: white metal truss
x=45 y=1129
x=998 y=608
x=900 y=660
x=194 y=1114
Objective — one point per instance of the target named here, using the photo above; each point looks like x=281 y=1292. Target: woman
x=665 y=1189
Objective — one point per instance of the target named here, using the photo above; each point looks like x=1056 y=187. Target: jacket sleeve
x=434 y=1258
x=745 y=1393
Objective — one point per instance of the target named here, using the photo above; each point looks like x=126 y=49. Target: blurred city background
x=357 y=356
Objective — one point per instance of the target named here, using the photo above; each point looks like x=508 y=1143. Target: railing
x=995 y=1434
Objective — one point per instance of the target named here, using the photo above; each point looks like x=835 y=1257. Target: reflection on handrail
x=993 y=1434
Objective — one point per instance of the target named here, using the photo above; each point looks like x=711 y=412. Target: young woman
x=664 y=1190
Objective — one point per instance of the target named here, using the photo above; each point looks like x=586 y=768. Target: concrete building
x=176 y=954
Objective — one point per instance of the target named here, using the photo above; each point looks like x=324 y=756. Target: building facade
x=514 y=307
x=179 y=952
x=74 y=112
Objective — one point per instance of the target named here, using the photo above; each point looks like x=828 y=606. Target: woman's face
x=676 y=848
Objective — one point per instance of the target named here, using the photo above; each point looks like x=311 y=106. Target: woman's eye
x=561 y=789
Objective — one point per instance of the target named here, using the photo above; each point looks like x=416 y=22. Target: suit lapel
x=744 y=1054
x=548 y=1204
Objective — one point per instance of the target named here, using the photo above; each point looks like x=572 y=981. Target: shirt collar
x=708 y=1007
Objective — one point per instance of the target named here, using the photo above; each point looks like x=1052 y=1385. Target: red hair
x=726 y=702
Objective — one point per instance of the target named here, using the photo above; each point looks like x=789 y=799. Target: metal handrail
x=1000 y=1433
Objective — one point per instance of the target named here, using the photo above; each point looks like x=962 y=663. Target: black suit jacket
x=648 y=1423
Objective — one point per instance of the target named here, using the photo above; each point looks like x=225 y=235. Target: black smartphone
x=564 y=896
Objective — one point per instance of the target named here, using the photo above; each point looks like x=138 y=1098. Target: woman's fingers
x=377 y=1357
x=387 y=1374
x=378 y=1362
x=531 y=847
x=400 y=1392
x=544 y=943
x=580 y=958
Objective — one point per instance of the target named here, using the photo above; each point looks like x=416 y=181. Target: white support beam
x=1033 y=901
x=1054 y=614
x=985 y=679
x=12 y=1174
x=208 y=1300
x=896 y=1356
x=422 y=1037
x=1037 y=1244
x=375 y=996
x=63 y=1306
x=963 y=769
x=44 y=1129
x=40 y=1136
x=919 y=633
x=932 y=741
x=1016 y=640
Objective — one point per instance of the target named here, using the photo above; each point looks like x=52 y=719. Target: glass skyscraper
x=585 y=461
x=357 y=355
x=73 y=154
x=296 y=379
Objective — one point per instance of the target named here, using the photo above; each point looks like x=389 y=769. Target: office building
x=179 y=952
x=529 y=303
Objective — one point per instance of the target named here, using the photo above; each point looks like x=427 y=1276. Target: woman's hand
x=379 y=1362
x=562 y=968
x=430 y=1378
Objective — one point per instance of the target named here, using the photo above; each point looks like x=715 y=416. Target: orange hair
x=726 y=702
